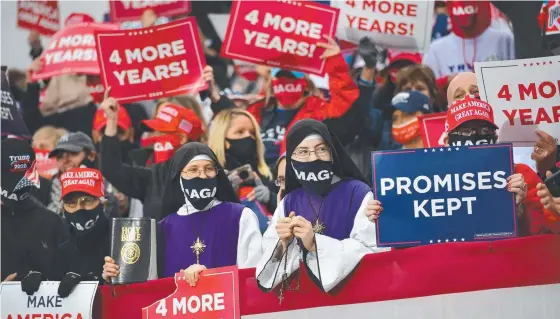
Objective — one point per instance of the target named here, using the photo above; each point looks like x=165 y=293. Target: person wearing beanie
x=30 y=232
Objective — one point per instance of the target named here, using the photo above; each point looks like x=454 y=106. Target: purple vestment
x=218 y=228
x=338 y=210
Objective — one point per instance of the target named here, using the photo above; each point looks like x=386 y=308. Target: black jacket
x=145 y=184
x=30 y=236
x=83 y=255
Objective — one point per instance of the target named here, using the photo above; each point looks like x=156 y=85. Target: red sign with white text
x=280 y=34
x=128 y=10
x=215 y=296
x=432 y=127
x=72 y=51
x=42 y=16
x=165 y=60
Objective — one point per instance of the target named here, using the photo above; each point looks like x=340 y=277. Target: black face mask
x=12 y=199
x=199 y=191
x=83 y=220
x=242 y=151
x=315 y=176
x=460 y=140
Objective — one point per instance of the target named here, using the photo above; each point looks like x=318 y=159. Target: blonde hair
x=217 y=138
x=50 y=131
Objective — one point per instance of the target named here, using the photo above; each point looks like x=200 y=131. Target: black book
x=133 y=247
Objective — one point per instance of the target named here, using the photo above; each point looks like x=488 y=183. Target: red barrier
x=405 y=273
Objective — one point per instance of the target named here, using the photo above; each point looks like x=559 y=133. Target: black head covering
x=343 y=166
x=173 y=197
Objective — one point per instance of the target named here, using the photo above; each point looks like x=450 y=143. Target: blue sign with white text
x=448 y=194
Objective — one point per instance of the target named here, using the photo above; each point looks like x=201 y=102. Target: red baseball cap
x=85 y=180
x=123 y=119
x=173 y=118
x=396 y=55
x=468 y=109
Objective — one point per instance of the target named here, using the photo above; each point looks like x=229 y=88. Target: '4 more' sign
x=215 y=296
x=446 y=194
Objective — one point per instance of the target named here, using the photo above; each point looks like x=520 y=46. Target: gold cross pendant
x=318 y=228
x=198 y=248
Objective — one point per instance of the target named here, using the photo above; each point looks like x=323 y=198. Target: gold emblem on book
x=130 y=253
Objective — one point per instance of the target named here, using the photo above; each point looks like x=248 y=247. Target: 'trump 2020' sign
x=445 y=194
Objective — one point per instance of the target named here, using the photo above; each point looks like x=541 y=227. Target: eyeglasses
x=303 y=153
x=470 y=131
x=280 y=181
x=209 y=171
x=82 y=201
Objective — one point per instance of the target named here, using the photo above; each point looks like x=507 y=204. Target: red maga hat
x=173 y=118
x=123 y=119
x=84 y=180
x=468 y=109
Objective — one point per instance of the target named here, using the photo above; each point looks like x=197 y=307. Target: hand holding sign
x=331 y=47
x=517 y=185
x=193 y=273
x=373 y=210
x=166 y=60
x=284 y=37
x=544 y=153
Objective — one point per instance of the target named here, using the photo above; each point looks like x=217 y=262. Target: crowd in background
x=370 y=100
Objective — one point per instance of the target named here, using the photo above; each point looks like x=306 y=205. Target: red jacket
x=537 y=219
x=343 y=94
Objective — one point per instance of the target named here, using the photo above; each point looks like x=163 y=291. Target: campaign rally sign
x=165 y=60
x=403 y=25
x=446 y=194
x=42 y=16
x=129 y=10
x=525 y=95
x=552 y=23
x=216 y=295
x=71 y=51
x=282 y=35
x=432 y=127
x=46 y=303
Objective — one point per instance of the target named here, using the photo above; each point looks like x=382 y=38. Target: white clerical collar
x=189 y=209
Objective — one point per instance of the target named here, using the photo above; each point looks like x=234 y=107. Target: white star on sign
x=441 y=149
x=447 y=240
x=456 y=148
x=439 y=241
x=449 y=149
x=425 y=151
x=433 y=150
x=431 y=241
x=462 y=239
x=454 y=239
